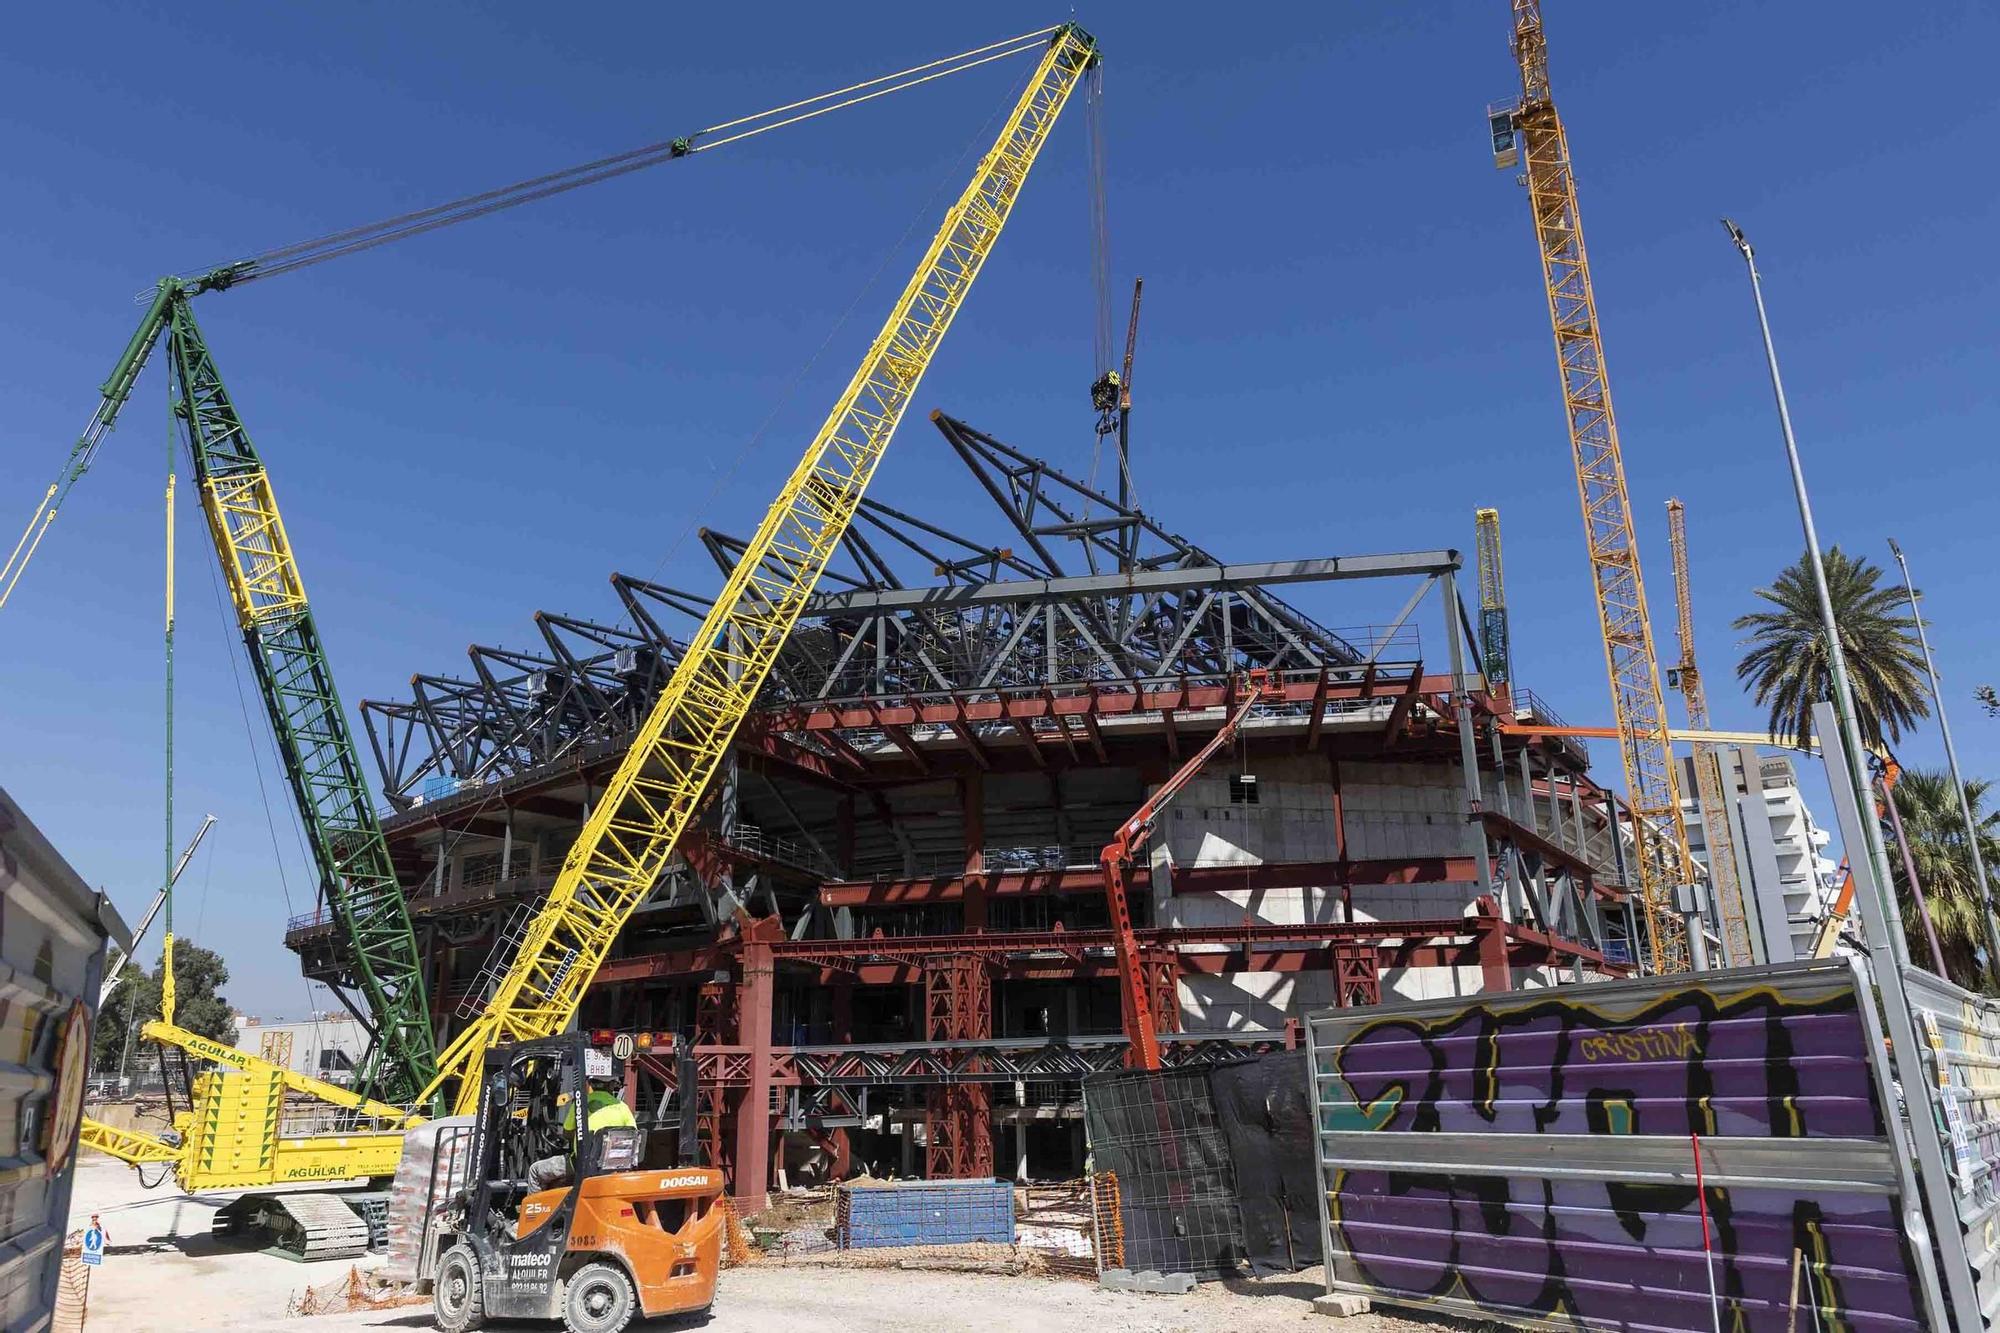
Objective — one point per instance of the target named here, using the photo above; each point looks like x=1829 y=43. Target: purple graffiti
x=1612 y=1254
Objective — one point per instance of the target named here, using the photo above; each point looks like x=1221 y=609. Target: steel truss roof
x=1087 y=591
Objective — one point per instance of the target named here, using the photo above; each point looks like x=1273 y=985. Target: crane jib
x=657 y=789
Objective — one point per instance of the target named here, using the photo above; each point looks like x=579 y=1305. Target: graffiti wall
x=1661 y=1154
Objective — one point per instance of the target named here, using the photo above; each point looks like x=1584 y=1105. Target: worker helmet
x=597 y=1066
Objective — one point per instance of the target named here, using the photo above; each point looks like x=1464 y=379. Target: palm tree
x=1937 y=845
x=1786 y=667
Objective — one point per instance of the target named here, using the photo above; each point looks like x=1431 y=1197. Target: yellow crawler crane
x=632 y=831
x=233 y=1135
x=1659 y=833
x=1720 y=832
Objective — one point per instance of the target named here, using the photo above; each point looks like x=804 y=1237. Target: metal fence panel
x=1159 y=1134
x=1962 y=1032
x=1533 y=1156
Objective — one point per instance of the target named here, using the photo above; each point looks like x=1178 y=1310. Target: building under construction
x=888 y=936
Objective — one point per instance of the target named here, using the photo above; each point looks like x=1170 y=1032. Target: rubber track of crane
x=308 y=1227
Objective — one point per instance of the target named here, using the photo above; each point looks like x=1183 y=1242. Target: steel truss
x=1087 y=592
x=939 y=1064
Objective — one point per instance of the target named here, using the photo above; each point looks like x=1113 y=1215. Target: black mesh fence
x=1214 y=1165
x=1265 y=1109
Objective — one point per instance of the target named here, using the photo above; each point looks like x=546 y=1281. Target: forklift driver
x=606 y=1110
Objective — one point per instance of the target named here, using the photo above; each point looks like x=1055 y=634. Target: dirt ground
x=162 y=1273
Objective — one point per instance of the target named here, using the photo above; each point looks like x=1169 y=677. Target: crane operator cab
x=559 y=1215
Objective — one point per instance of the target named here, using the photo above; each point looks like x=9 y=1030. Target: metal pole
x=1957 y=782
x=167 y=931
x=1468 y=751
x=1843 y=690
x=1919 y=1116
x=115 y=968
x=1916 y=887
x=1696 y=924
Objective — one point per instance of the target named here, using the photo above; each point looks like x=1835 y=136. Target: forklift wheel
x=600 y=1299
x=458 y=1302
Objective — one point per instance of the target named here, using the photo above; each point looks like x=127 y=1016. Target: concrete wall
x=1390 y=811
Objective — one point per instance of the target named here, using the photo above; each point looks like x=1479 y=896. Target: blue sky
x=1344 y=350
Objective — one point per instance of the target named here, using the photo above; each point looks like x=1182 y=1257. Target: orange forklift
x=553 y=1217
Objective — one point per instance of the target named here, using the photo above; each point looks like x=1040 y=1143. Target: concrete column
x=1760 y=849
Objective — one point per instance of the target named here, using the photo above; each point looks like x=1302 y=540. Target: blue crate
x=924 y=1212
x=438 y=786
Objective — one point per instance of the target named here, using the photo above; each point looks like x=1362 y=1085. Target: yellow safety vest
x=606 y=1112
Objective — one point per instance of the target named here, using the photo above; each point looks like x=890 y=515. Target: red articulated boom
x=1135 y=1004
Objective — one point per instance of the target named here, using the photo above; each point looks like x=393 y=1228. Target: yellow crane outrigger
x=233 y=1136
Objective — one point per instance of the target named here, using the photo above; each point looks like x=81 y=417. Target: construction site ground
x=162 y=1272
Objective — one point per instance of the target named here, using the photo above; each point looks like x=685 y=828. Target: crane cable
x=1101 y=351
x=778 y=404
x=303 y=254
x=353 y=240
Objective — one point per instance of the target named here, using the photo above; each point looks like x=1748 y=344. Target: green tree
x=1786 y=665
x=1938 y=847
x=199 y=976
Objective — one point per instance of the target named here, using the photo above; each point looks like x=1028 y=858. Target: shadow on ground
x=1296 y=1288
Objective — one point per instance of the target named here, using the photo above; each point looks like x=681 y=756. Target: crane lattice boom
x=1719 y=833
x=1495 y=649
x=1661 y=856
x=652 y=798
x=322 y=766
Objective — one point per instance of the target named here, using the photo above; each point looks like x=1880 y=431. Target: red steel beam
x=1190 y=879
x=1093 y=702
x=1399 y=713
x=897 y=962
x=1075 y=941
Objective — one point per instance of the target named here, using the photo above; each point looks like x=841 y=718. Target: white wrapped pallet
x=426 y=1179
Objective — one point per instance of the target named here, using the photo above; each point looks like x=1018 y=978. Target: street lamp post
x=1843 y=691
x=1957 y=781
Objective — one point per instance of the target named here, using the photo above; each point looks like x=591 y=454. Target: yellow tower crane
x=1495 y=647
x=1719 y=833
x=1660 y=859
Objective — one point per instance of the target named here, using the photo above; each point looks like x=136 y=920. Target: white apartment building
x=1788 y=879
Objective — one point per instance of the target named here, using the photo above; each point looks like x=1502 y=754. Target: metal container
x=53 y=931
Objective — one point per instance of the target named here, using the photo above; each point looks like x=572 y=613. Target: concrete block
x=1340 y=1304
x=1151 y=1280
